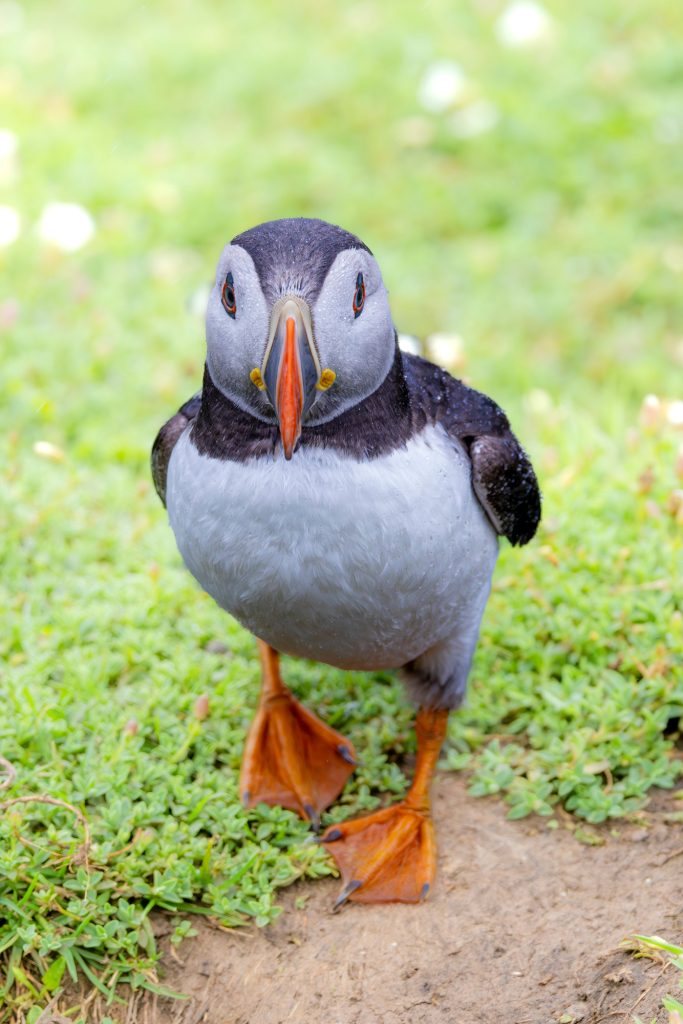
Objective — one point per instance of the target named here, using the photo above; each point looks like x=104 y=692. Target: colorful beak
x=291 y=369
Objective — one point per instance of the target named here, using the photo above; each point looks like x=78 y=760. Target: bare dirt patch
x=523 y=926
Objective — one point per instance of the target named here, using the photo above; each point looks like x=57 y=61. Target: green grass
x=550 y=243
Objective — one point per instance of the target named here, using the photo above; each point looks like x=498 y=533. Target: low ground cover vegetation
x=543 y=244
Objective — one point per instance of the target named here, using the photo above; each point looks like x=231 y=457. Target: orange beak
x=289 y=391
x=291 y=371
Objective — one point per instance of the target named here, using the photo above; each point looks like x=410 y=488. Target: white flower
x=674 y=413
x=442 y=86
x=475 y=119
x=47 y=450
x=409 y=343
x=10 y=225
x=650 y=411
x=446 y=349
x=67 y=226
x=523 y=23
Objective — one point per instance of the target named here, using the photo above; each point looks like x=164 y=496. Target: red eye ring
x=228 y=297
x=359 y=296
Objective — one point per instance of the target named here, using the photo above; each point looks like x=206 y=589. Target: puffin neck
x=224 y=431
x=375 y=426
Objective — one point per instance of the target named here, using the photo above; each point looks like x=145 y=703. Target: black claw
x=345 y=893
x=424 y=890
x=345 y=753
x=332 y=836
x=312 y=816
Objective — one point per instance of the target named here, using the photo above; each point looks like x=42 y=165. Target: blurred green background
x=550 y=238
x=517 y=171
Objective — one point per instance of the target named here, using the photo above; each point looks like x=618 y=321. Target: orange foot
x=294 y=760
x=390 y=856
x=385 y=857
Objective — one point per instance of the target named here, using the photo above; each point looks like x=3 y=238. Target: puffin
x=343 y=500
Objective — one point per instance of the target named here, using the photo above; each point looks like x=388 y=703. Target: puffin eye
x=359 y=296
x=228 y=296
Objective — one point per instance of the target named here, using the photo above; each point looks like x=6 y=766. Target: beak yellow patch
x=327 y=379
x=257 y=379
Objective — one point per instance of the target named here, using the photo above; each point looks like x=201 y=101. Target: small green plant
x=649 y=943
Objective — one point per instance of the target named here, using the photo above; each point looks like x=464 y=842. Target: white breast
x=357 y=564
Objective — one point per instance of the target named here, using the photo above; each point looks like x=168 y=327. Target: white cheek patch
x=235 y=347
x=359 y=349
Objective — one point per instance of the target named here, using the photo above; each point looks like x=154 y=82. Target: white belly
x=357 y=564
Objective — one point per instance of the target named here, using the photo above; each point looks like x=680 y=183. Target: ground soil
x=523 y=926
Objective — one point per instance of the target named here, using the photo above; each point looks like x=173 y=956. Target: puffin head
x=298 y=325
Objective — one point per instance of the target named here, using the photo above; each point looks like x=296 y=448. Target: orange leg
x=390 y=856
x=291 y=758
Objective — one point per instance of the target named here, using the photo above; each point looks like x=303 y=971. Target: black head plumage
x=293 y=255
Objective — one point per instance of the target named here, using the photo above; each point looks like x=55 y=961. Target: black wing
x=502 y=475
x=166 y=439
